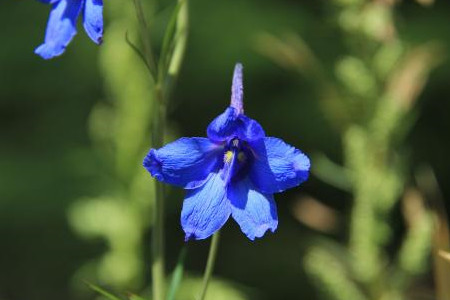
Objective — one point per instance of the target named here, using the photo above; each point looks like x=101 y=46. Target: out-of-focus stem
x=181 y=36
x=210 y=264
x=158 y=273
x=158 y=126
x=161 y=92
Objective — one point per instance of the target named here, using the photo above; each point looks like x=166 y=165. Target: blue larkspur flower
x=62 y=24
x=235 y=171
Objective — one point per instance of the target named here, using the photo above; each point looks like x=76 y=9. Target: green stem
x=158 y=125
x=161 y=94
x=210 y=263
x=158 y=273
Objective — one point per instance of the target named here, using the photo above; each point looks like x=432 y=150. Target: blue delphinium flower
x=62 y=24
x=234 y=171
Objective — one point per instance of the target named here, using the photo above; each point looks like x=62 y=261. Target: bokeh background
x=75 y=203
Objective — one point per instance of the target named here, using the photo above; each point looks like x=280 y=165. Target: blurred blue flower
x=61 y=27
x=234 y=171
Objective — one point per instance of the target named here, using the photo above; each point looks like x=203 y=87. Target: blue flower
x=62 y=24
x=235 y=171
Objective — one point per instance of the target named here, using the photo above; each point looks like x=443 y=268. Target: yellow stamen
x=228 y=156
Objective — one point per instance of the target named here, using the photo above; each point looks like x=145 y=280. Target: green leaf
x=331 y=173
x=177 y=275
x=168 y=38
x=139 y=54
x=102 y=292
x=135 y=297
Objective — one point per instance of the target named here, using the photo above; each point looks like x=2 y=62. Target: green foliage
x=177 y=275
x=332 y=275
x=119 y=128
x=103 y=292
x=135 y=297
x=47 y=160
x=412 y=257
x=356 y=77
x=218 y=290
x=377 y=82
x=170 y=40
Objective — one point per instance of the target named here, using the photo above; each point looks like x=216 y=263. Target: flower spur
x=235 y=171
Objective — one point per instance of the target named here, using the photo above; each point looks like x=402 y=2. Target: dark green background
x=46 y=158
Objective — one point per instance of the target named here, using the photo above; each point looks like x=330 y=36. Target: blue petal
x=61 y=28
x=278 y=166
x=232 y=124
x=253 y=211
x=93 y=20
x=249 y=129
x=205 y=209
x=187 y=162
x=223 y=126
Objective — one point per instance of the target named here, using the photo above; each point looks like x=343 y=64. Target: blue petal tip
x=153 y=165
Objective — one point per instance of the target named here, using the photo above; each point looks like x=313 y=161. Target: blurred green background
x=49 y=158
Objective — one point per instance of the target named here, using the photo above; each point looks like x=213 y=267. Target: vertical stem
x=210 y=263
x=158 y=126
x=159 y=119
x=158 y=273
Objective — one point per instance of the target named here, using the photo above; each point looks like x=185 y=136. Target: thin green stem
x=158 y=125
x=210 y=263
x=161 y=94
x=158 y=272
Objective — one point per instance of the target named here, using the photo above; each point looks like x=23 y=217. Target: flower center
x=235 y=159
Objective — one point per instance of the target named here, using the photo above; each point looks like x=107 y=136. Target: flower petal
x=61 y=28
x=249 y=129
x=205 y=209
x=232 y=124
x=186 y=162
x=93 y=20
x=278 y=166
x=223 y=126
x=253 y=211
